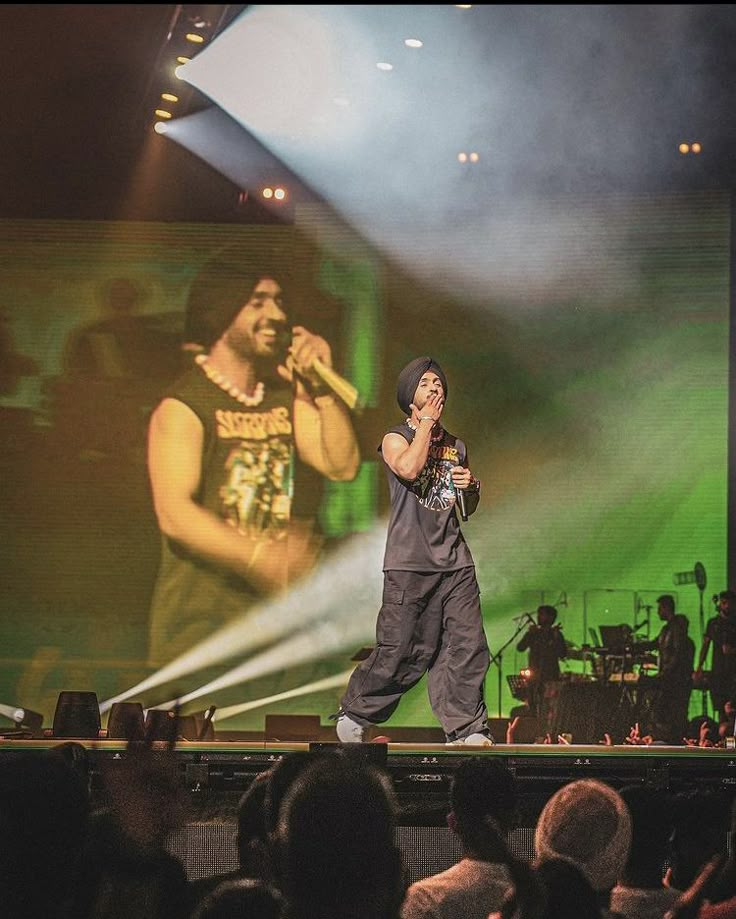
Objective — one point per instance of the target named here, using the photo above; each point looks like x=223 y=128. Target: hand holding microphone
x=461 y=503
x=309 y=359
x=462 y=478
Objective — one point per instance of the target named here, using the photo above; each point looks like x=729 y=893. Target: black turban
x=222 y=288
x=411 y=375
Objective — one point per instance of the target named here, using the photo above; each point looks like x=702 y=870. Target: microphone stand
x=497 y=658
x=703 y=691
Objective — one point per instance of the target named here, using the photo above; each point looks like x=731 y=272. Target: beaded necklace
x=222 y=381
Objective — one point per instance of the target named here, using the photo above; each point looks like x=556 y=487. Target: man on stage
x=546 y=646
x=430 y=620
x=720 y=631
x=226 y=445
x=676 y=652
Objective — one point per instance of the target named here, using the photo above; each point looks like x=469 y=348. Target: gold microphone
x=331 y=378
x=339 y=385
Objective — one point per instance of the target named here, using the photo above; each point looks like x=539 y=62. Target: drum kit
x=617 y=687
x=617 y=658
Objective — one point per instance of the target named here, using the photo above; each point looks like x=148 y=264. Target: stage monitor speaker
x=126 y=721
x=77 y=716
x=161 y=724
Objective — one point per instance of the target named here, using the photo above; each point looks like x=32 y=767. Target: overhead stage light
x=273 y=194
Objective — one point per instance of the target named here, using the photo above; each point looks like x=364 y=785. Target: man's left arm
x=323 y=429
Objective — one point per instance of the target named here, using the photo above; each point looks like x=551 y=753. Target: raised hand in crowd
x=689 y=904
x=511 y=729
x=636 y=738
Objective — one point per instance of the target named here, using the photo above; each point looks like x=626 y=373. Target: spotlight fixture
x=189 y=26
x=267 y=193
x=413 y=42
x=462 y=157
x=695 y=148
x=384 y=65
x=696 y=576
x=160 y=127
x=25 y=720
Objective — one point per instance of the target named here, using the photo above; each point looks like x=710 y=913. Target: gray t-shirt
x=423 y=530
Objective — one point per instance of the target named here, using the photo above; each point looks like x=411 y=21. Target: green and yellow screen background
x=592 y=393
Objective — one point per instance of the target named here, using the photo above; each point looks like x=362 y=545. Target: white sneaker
x=349 y=731
x=475 y=740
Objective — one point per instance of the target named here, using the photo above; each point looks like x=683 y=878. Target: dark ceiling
x=77 y=83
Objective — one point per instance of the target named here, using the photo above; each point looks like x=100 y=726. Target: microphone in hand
x=460 y=497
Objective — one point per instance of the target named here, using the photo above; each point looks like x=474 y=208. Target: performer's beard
x=264 y=355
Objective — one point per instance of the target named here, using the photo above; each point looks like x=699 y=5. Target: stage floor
x=231 y=765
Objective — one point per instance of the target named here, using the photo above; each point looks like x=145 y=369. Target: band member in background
x=430 y=621
x=224 y=446
x=676 y=651
x=720 y=632
x=546 y=646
